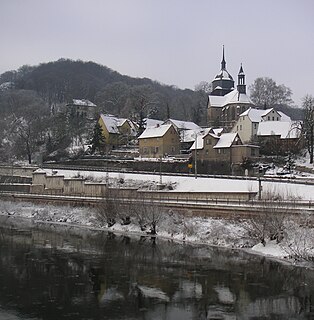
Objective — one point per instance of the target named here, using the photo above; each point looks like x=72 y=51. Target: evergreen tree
x=141 y=123
x=98 y=140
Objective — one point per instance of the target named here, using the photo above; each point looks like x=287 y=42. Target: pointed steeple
x=241 y=81
x=223 y=61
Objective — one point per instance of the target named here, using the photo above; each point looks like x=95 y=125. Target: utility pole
x=160 y=175
x=195 y=163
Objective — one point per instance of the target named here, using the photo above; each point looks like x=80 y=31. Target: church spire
x=223 y=61
x=241 y=81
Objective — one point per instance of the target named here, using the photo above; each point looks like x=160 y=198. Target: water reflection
x=75 y=274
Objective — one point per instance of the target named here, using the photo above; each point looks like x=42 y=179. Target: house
x=117 y=131
x=222 y=152
x=187 y=137
x=187 y=131
x=152 y=122
x=280 y=137
x=159 y=141
x=182 y=125
x=82 y=108
x=226 y=103
x=249 y=121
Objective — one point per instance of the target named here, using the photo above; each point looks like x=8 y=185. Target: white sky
x=177 y=42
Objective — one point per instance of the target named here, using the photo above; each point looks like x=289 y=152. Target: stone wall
x=17 y=171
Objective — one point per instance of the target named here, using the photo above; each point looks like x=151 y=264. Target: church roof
x=230 y=98
x=223 y=75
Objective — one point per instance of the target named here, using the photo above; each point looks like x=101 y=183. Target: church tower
x=223 y=82
x=241 y=81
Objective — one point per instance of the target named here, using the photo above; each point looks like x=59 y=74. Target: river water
x=56 y=272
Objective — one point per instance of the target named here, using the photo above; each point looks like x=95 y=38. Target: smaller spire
x=241 y=72
x=241 y=81
x=223 y=62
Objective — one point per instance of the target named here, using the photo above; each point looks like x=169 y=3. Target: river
x=58 y=272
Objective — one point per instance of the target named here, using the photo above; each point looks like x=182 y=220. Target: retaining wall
x=17 y=171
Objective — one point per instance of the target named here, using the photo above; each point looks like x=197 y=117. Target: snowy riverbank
x=297 y=243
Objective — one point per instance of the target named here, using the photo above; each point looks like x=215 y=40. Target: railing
x=281 y=179
x=168 y=199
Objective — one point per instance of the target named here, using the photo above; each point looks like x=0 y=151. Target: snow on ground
x=271 y=248
x=298 y=242
x=286 y=190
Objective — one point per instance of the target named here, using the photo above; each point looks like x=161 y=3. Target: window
x=173 y=149
x=208 y=141
x=255 y=125
x=206 y=152
x=277 y=119
x=224 y=151
x=240 y=127
x=252 y=152
x=273 y=118
x=268 y=118
x=156 y=149
x=145 y=150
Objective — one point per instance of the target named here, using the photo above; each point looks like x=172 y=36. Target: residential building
x=159 y=141
x=280 y=137
x=117 y=131
x=222 y=151
x=182 y=125
x=82 y=108
x=248 y=122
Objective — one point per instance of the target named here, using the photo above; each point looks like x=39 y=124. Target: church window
x=268 y=118
x=273 y=118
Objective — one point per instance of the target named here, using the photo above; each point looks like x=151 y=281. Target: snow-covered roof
x=183 y=125
x=230 y=98
x=256 y=115
x=284 y=117
x=218 y=131
x=83 y=102
x=284 y=129
x=223 y=75
x=155 y=132
x=113 y=123
x=189 y=135
x=199 y=144
x=226 y=140
x=152 y=122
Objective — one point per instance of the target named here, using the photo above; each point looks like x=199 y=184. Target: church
x=225 y=102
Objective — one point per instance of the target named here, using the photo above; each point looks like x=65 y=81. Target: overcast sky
x=176 y=42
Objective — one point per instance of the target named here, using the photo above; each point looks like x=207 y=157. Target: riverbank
x=296 y=245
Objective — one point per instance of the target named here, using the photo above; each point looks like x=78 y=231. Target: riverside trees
x=308 y=124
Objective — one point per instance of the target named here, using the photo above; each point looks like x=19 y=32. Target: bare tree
x=266 y=92
x=308 y=124
x=267 y=223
